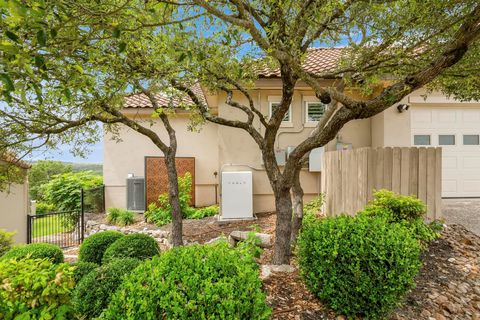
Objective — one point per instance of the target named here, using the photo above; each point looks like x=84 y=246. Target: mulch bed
x=448 y=286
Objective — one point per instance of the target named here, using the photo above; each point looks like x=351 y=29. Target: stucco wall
x=218 y=148
x=237 y=147
x=128 y=156
x=13 y=211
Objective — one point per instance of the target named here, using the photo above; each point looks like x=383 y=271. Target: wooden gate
x=156 y=178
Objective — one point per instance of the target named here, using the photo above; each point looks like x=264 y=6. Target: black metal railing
x=65 y=229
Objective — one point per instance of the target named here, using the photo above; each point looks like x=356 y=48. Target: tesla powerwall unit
x=237 y=195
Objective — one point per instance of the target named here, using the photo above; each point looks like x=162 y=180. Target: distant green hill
x=95 y=167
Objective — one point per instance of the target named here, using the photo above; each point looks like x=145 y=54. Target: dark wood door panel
x=156 y=178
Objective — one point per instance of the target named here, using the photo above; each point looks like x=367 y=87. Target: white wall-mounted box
x=315 y=159
x=237 y=195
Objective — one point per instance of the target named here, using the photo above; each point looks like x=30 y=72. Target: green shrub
x=161 y=214
x=195 y=282
x=360 y=266
x=200 y=213
x=6 y=241
x=43 y=208
x=93 y=247
x=406 y=210
x=120 y=217
x=64 y=190
x=135 y=245
x=35 y=251
x=401 y=207
x=35 y=289
x=82 y=268
x=93 y=292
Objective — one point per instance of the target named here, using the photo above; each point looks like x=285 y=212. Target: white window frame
x=277 y=100
x=306 y=101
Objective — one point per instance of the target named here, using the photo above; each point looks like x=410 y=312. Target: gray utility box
x=136 y=193
x=315 y=159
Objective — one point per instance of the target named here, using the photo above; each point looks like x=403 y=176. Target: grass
x=48 y=225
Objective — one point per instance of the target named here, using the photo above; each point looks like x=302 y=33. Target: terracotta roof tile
x=319 y=60
x=140 y=100
x=11 y=159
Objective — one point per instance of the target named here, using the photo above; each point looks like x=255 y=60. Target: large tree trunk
x=173 y=197
x=283 y=205
x=297 y=207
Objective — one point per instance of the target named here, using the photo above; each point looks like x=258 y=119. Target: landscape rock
x=235 y=236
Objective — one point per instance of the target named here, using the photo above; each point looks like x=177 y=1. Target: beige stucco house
x=429 y=120
x=14 y=203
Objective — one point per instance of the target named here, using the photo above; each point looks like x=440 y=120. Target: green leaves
x=7 y=82
x=12 y=36
x=38 y=289
x=42 y=38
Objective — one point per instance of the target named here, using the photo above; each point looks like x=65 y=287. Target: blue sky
x=62 y=153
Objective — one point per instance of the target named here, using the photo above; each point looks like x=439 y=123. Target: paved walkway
x=463 y=211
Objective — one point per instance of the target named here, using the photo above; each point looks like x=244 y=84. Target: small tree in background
x=42 y=172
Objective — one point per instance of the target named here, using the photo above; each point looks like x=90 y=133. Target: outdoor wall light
x=403 y=107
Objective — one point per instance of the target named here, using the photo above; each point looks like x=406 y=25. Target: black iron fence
x=93 y=200
x=65 y=229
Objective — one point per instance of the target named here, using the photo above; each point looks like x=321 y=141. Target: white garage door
x=457 y=131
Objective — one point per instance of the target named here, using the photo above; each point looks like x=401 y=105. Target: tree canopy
x=66 y=64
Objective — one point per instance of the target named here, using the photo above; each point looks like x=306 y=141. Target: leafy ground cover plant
x=360 y=266
x=35 y=251
x=194 y=282
x=120 y=217
x=135 y=245
x=94 y=246
x=93 y=292
x=161 y=213
x=6 y=241
x=35 y=289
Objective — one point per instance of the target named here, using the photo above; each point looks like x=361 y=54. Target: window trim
x=284 y=123
x=307 y=103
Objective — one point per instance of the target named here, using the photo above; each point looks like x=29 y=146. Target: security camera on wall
x=403 y=107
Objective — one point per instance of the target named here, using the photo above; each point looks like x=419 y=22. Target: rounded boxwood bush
x=35 y=251
x=195 y=282
x=82 y=268
x=93 y=247
x=93 y=292
x=135 y=245
x=360 y=266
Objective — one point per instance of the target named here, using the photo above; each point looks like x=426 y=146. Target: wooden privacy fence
x=350 y=176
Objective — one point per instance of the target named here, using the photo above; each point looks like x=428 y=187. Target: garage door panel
x=449 y=185
x=422 y=116
x=447 y=116
x=449 y=162
x=470 y=162
x=471 y=185
x=471 y=116
x=461 y=160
